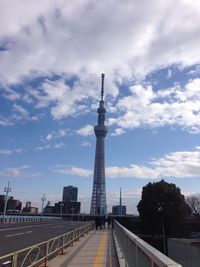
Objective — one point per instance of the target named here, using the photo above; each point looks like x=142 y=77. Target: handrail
x=136 y=252
x=41 y=252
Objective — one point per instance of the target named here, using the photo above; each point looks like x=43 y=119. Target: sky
x=52 y=54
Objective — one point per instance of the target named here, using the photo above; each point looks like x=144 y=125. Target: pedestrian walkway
x=97 y=249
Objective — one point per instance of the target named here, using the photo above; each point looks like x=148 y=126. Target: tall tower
x=98 y=204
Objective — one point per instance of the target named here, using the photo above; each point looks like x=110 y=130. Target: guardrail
x=135 y=252
x=41 y=252
x=25 y=218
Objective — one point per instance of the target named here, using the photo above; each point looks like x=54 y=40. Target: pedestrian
x=108 y=222
x=97 y=222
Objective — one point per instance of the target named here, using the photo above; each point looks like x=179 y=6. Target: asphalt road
x=18 y=236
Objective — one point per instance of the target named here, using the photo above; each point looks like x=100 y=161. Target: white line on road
x=24 y=227
x=58 y=226
x=28 y=232
x=14 y=234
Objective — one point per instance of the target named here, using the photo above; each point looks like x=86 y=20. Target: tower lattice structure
x=98 y=204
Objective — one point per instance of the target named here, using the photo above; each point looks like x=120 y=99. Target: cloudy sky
x=51 y=56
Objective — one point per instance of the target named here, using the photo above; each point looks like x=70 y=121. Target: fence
x=137 y=253
x=40 y=253
x=25 y=218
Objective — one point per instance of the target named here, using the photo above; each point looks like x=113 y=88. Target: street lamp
x=61 y=208
x=43 y=199
x=160 y=210
x=72 y=211
x=6 y=190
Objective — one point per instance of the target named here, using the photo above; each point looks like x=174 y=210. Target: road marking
x=24 y=227
x=14 y=234
x=28 y=232
x=99 y=259
x=59 y=226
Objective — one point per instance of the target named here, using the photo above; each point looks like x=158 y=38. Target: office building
x=70 y=193
x=29 y=209
x=13 y=205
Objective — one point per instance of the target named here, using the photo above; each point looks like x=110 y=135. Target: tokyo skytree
x=98 y=204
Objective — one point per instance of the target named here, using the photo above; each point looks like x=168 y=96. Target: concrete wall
x=185 y=251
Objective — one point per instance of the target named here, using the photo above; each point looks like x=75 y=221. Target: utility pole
x=6 y=190
x=43 y=199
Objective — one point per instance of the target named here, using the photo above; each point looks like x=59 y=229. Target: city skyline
x=52 y=54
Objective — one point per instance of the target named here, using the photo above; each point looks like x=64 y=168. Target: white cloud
x=57 y=134
x=10 y=94
x=50 y=146
x=173 y=106
x=20 y=113
x=86 y=130
x=75 y=40
x=181 y=164
x=41 y=148
x=118 y=132
x=19 y=150
x=21 y=171
x=59 y=145
x=10 y=152
x=73 y=171
x=49 y=136
x=21 y=110
x=5 y=121
x=71 y=101
x=86 y=144
x=5 y=152
x=81 y=36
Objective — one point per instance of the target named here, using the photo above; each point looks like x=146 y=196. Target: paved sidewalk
x=96 y=249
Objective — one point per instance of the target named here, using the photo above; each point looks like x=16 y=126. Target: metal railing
x=134 y=252
x=42 y=252
x=25 y=218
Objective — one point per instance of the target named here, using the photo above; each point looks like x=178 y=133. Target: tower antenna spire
x=102 y=85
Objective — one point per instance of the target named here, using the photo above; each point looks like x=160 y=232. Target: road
x=17 y=236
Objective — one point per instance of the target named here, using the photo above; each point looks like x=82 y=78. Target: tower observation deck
x=98 y=204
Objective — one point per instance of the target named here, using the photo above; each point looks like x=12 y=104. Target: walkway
x=96 y=249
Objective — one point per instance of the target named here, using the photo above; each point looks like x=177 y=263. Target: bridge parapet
x=135 y=252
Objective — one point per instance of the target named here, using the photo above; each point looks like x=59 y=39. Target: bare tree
x=194 y=202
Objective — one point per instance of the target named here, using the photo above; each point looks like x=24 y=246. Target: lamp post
x=72 y=211
x=160 y=211
x=43 y=199
x=61 y=208
x=6 y=190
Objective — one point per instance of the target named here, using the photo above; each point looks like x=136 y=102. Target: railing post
x=63 y=244
x=46 y=254
x=72 y=243
x=14 y=260
x=136 y=254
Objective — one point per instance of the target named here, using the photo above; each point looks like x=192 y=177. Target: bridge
x=58 y=243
